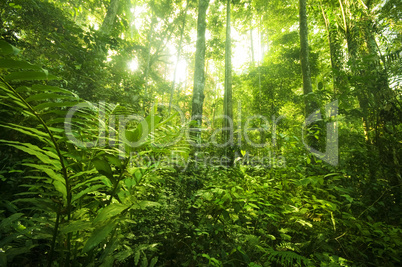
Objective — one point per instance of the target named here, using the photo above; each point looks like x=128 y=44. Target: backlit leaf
x=98 y=236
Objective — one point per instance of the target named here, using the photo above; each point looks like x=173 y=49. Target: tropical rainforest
x=200 y=133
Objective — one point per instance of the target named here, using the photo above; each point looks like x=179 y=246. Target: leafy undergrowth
x=253 y=217
x=67 y=204
x=215 y=217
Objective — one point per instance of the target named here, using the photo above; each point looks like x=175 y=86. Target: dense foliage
x=99 y=169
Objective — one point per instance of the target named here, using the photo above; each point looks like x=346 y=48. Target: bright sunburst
x=133 y=65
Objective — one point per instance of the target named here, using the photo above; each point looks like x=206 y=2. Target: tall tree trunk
x=199 y=70
x=335 y=49
x=252 y=44
x=261 y=33
x=178 y=56
x=304 y=57
x=228 y=105
x=110 y=17
x=260 y=62
x=148 y=62
x=215 y=98
x=309 y=104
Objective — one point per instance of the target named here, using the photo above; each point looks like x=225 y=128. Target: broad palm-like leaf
x=78 y=149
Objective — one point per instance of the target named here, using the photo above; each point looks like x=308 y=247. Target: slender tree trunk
x=110 y=18
x=185 y=79
x=304 y=57
x=261 y=33
x=335 y=49
x=228 y=105
x=252 y=44
x=178 y=57
x=199 y=70
x=215 y=103
x=260 y=61
x=377 y=79
x=148 y=62
x=310 y=104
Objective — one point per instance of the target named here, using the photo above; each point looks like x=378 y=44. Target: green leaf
x=304 y=223
x=54 y=105
x=86 y=191
x=46 y=169
x=17 y=64
x=226 y=215
x=130 y=182
x=60 y=187
x=113 y=160
x=138 y=137
x=108 y=261
x=28 y=131
x=349 y=198
x=98 y=236
x=103 y=167
x=137 y=256
x=15 y=6
x=122 y=255
x=332 y=174
x=54 y=89
x=7 y=222
x=146 y=204
x=106 y=181
x=29 y=76
x=153 y=261
x=43 y=204
x=92 y=171
x=44 y=96
x=271 y=237
x=35 y=151
x=7 y=49
x=138 y=175
x=144 y=262
x=76 y=226
x=110 y=211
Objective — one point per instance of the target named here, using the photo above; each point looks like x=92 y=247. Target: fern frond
x=287 y=258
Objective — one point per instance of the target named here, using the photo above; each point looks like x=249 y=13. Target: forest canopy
x=200 y=132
